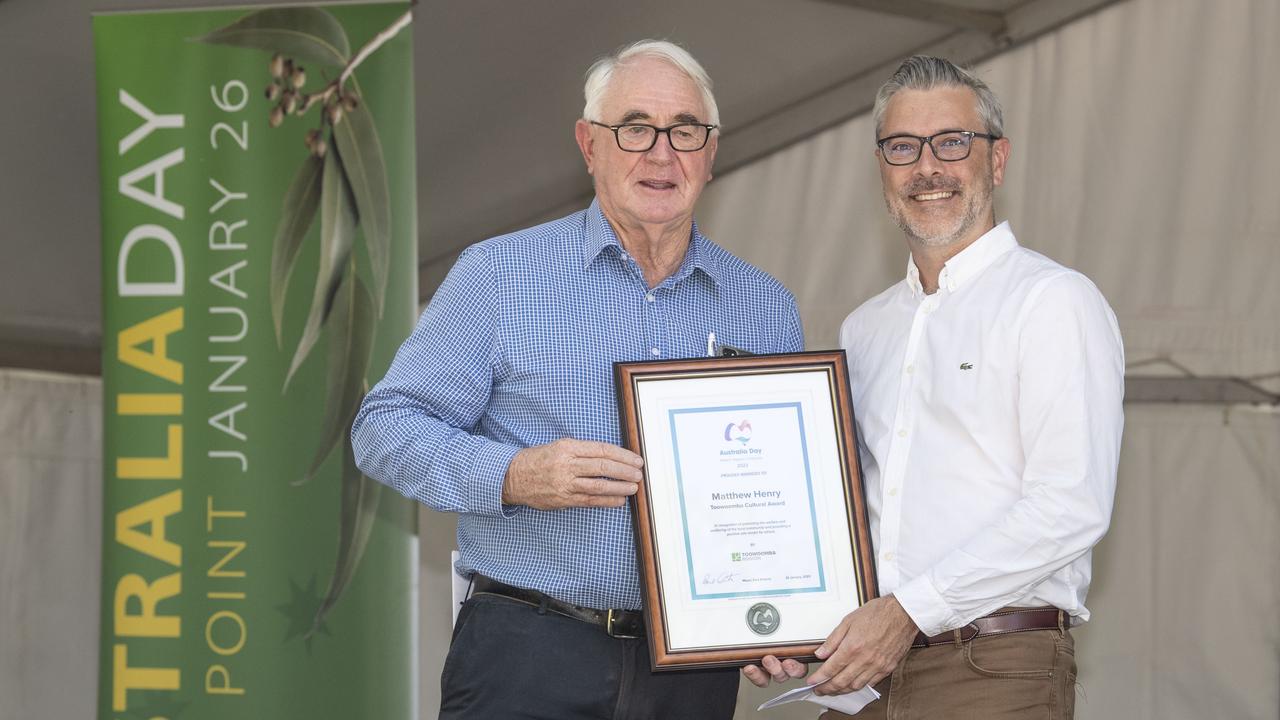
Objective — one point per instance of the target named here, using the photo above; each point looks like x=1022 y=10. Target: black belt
x=616 y=623
x=1000 y=622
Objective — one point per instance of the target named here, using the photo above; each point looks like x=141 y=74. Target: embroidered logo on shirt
x=966 y=366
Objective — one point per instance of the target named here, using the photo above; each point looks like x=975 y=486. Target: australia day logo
x=740 y=432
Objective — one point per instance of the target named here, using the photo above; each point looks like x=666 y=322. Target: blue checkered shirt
x=515 y=350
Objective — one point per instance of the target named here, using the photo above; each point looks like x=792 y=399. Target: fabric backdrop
x=50 y=544
x=1143 y=154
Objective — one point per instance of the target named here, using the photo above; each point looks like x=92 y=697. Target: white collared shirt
x=989 y=419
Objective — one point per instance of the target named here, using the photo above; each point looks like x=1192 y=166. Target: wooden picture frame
x=751 y=524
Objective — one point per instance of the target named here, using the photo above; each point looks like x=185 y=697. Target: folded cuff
x=927 y=607
x=487 y=475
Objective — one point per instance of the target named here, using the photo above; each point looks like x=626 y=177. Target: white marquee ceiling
x=498 y=86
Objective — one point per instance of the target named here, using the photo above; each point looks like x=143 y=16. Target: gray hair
x=921 y=72
x=601 y=72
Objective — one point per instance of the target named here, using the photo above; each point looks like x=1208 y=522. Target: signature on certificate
x=718 y=579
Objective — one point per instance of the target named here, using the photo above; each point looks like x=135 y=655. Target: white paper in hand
x=849 y=703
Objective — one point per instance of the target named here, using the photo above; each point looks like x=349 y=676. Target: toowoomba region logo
x=740 y=432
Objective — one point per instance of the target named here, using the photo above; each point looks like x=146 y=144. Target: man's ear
x=586 y=143
x=999 y=156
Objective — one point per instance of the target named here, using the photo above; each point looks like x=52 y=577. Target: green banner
x=259 y=268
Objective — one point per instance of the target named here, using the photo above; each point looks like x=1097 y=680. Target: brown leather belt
x=616 y=623
x=1000 y=622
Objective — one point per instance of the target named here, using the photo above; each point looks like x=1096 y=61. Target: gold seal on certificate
x=752 y=505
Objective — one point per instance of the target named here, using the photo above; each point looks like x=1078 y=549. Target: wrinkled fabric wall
x=1186 y=586
x=50 y=544
x=1142 y=155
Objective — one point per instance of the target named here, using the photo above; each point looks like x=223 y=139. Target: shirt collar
x=967 y=263
x=600 y=235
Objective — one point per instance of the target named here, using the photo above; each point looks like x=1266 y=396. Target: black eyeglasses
x=640 y=137
x=948 y=146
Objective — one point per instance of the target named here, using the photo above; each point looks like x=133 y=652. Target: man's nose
x=928 y=164
x=661 y=150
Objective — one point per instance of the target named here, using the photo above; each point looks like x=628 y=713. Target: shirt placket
x=654 y=337
x=903 y=433
x=655 y=340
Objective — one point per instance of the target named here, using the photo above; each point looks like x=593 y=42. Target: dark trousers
x=513 y=660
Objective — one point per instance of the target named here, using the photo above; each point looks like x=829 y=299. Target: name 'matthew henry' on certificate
x=751 y=527
x=747 y=503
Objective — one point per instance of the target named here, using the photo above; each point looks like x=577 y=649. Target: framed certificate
x=751 y=524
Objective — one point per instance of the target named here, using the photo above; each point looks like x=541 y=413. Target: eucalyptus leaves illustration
x=342 y=179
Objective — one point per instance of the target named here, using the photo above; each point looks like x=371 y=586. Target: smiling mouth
x=658 y=185
x=939 y=195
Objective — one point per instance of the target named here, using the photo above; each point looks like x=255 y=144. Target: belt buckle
x=608 y=626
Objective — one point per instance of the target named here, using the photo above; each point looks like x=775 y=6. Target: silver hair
x=921 y=72
x=601 y=72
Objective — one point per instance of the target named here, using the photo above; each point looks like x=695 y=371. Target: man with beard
x=988 y=387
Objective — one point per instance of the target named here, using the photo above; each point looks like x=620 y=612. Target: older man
x=988 y=385
x=500 y=406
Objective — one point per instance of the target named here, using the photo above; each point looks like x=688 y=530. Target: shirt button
x=911 y=369
x=655 y=351
x=648 y=298
x=888 y=556
x=893 y=491
x=901 y=433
